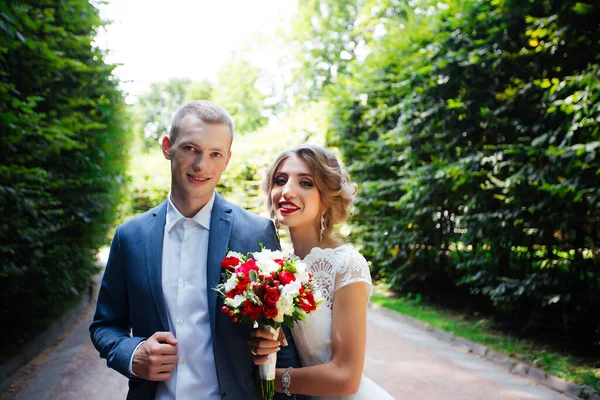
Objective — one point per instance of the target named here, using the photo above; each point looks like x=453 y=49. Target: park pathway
x=407 y=362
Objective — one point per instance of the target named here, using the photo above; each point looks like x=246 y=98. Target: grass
x=481 y=330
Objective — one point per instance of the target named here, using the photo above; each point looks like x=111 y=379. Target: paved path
x=413 y=365
x=408 y=363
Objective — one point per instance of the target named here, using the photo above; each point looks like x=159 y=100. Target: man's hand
x=156 y=358
x=263 y=342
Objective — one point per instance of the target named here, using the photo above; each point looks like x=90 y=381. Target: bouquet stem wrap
x=266 y=371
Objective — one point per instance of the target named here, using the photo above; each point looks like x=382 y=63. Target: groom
x=157 y=319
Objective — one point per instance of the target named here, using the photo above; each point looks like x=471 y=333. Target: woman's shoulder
x=329 y=252
x=342 y=255
x=352 y=257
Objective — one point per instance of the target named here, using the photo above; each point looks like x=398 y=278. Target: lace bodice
x=332 y=269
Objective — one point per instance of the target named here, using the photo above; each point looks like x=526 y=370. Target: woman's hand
x=263 y=342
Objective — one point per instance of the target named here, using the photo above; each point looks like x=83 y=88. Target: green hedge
x=473 y=129
x=62 y=152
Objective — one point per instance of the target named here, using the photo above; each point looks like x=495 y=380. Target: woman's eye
x=279 y=181
x=306 y=183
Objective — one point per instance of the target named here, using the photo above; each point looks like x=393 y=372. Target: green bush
x=473 y=128
x=62 y=155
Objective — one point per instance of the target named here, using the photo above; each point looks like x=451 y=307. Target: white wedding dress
x=332 y=269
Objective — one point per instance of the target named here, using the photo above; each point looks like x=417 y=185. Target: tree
x=236 y=90
x=62 y=156
x=155 y=108
x=471 y=128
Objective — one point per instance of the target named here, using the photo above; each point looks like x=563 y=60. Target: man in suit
x=157 y=319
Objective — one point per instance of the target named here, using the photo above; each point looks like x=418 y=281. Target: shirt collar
x=202 y=217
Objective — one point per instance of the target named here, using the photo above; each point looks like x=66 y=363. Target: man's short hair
x=207 y=111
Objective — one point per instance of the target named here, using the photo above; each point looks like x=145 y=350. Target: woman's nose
x=288 y=191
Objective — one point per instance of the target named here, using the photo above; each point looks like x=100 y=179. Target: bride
x=309 y=192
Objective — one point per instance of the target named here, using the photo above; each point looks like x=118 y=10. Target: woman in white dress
x=309 y=192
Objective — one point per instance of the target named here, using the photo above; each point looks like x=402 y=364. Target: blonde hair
x=331 y=179
x=207 y=111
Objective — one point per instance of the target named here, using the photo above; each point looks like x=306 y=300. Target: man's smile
x=197 y=178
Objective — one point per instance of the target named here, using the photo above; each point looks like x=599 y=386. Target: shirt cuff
x=131 y=359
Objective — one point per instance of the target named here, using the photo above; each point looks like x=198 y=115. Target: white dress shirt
x=185 y=250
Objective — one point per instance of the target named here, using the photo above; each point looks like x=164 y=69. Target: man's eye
x=216 y=154
x=188 y=148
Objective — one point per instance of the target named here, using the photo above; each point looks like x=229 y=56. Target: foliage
x=61 y=154
x=473 y=129
x=155 y=108
x=330 y=35
x=236 y=90
x=150 y=177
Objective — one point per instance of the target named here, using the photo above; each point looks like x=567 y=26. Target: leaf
x=253 y=276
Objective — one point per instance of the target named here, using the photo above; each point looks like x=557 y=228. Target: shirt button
x=182 y=362
x=180 y=321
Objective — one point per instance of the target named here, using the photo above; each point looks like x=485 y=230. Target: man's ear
x=166 y=147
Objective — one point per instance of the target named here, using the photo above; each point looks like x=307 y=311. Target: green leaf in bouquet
x=253 y=276
x=290 y=265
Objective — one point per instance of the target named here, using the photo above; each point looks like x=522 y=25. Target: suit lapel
x=221 y=222
x=154 y=250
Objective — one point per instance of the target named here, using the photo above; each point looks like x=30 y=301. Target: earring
x=322 y=228
x=277 y=227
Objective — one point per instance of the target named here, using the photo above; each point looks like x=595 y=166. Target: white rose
x=285 y=306
x=300 y=266
x=291 y=289
x=267 y=267
x=236 y=301
x=301 y=276
x=267 y=255
x=231 y=283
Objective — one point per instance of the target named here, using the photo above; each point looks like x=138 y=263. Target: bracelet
x=286 y=380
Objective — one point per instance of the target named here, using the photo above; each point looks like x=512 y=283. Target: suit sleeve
x=110 y=330
x=269 y=236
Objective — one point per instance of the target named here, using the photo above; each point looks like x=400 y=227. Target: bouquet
x=267 y=289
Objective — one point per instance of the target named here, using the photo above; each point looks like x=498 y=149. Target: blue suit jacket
x=131 y=305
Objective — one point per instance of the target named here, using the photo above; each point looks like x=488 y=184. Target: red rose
x=252 y=310
x=242 y=285
x=247 y=266
x=270 y=311
x=271 y=297
x=229 y=263
x=307 y=303
x=286 y=277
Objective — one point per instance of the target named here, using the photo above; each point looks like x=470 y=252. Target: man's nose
x=199 y=162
